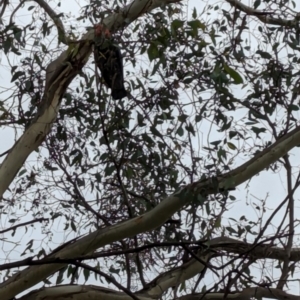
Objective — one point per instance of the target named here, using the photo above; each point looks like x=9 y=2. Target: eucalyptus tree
x=184 y=189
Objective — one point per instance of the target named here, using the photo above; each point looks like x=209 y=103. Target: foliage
x=209 y=90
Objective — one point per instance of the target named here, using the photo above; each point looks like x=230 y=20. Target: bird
x=108 y=59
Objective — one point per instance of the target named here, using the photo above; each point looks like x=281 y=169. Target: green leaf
x=17 y=75
x=190 y=129
x=182 y=286
x=153 y=52
x=230 y=229
x=22 y=172
x=231 y=146
x=194 y=14
x=257 y=130
x=233 y=74
x=176 y=24
x=256 y=4
x=232 y=134
x=86 y=274
x=264 y=54
x=196 y=24
x=60 y=276
x=180 y=131
x=18 y=35
x=109 y=170
x=113 y=270
x=293 y=107
x=198 y=118
x=73 y=226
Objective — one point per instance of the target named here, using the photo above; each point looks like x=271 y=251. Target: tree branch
x=59 y=75
x=62 y=37
x=263 y=15
x=23 y=224
x=87 y=292
x=152 y=219
x=245 y=294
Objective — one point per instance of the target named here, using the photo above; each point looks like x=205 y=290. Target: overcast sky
x=264 y=185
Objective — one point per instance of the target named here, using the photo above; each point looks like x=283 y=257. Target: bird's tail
x=118 y=94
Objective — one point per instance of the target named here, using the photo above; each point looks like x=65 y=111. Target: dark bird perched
x=108 y=59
